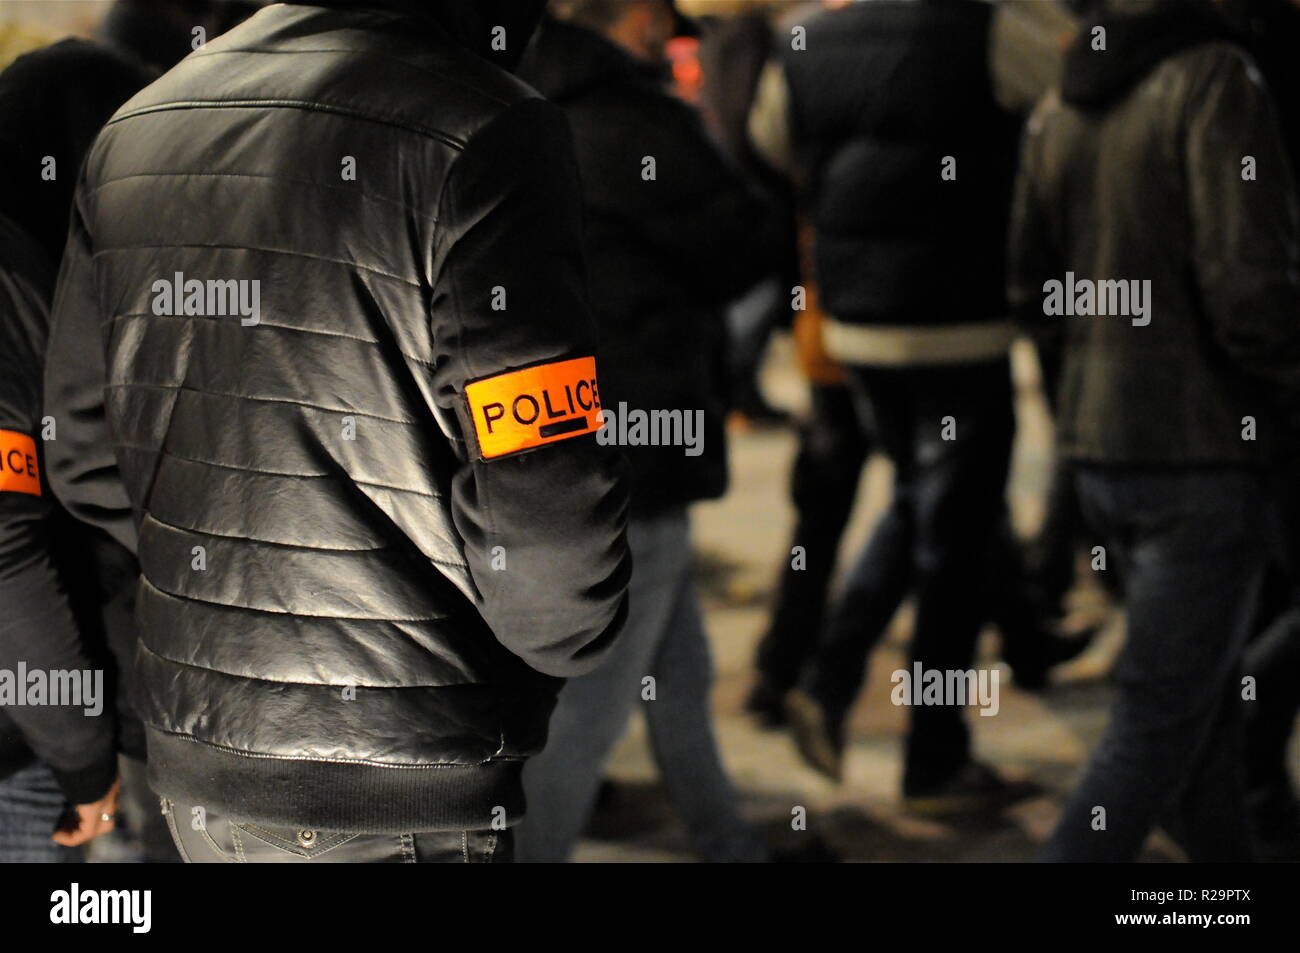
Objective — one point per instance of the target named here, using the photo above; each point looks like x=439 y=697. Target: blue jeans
x=937 y=536
x=664 y=638
x=31 y=804
x=1189 y=546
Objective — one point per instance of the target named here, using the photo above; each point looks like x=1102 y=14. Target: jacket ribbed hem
x=352 y=797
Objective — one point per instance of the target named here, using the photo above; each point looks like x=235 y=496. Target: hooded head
x=1138 y=35
x=475 y=22
x=53 y=102
x=641 y=28
x=161 y=32
x=497 y=30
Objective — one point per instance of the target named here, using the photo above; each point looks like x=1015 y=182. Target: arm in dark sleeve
x=82 y=469
x=1245 y=232
x=37 y=627
x=510 y=219
x=1033 y=257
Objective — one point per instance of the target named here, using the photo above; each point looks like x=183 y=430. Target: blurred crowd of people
x=906 y=186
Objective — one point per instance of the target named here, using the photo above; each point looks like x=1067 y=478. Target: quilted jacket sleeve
x=82 y=469
x=38 y=630
x=543 y=528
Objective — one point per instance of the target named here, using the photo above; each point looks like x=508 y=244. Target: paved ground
x=740 y=540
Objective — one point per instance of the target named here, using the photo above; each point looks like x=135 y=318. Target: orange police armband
x=19 y=472
x=535 y=406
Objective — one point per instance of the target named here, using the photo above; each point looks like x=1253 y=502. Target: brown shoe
x=818 y=736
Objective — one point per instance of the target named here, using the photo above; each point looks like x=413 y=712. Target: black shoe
x=813 y=851
x=1274 y=818
x=1030 y=669
x=973 y=789
x=766 y=702
x=818 y=735
x=758 y=412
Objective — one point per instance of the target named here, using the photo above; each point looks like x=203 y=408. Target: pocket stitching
x=279 y=842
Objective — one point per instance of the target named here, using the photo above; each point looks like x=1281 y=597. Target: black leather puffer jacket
x=355 y=596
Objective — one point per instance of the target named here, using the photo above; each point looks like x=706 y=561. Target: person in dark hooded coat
x=65 y=587
x=1159 y=168
x=160 y=33
x=664 y=253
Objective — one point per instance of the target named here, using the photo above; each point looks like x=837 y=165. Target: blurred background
x=742 y=538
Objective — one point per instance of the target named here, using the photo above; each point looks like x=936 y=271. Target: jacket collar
x=469 y=23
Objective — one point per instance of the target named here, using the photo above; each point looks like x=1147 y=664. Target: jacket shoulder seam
x=440 y=75
x=302 y=547
x=455 y=142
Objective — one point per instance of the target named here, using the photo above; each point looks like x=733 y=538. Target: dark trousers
x=204 y=837
x=1189 y=545
x=139 y=814
x=1051 y=564
x=934 y=541
x=1273 y=657
x=833 y=446
x=1052 y=554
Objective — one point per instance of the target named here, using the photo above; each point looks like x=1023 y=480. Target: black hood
x=565 y=61
x=53 y=102
x=1135 y=45
x=471 y=23
x=158 y=32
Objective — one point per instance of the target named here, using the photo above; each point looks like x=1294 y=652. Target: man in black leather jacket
x=330 y=269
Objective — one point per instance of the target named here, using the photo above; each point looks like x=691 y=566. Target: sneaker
x=1030 y=669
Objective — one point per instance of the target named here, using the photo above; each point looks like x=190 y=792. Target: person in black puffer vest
x=327 y=273
x=885 y=113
